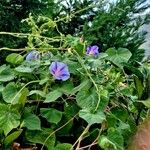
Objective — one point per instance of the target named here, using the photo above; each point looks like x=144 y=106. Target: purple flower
x=33 y=55
x=59 y=70
x=92 y=50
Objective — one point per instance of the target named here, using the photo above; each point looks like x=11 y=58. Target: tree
x=118 y=26
x=108 y=24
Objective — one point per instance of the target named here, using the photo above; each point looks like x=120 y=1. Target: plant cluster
x=98 y=22
x=59 y=93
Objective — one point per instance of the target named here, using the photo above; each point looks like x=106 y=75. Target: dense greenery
x=65 y=85
x=118 y=27
x=111 y=24
x=11 y=14
x=99 y=22
x=97 y=105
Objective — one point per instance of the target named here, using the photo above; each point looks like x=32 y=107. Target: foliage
x=11 y=14
x=107 y=24
x=96 y=106
x=13 y=11
x=99 y=22
x=118 y=26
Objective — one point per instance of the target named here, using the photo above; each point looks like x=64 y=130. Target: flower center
x=91 y=52
x=58 y=72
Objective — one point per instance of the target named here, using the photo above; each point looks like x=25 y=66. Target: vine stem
x=22 y=89
x=87 y=146
x=95 y=141
x=57 y=130
x=25 y=49
x=80 y=137
x=95 y=85
x=77 y=12
x=25 y=35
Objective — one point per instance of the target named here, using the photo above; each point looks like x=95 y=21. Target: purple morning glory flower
x=92 y=50
x=59 y=70
x=33 y=55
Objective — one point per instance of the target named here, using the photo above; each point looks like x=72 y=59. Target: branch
x=26 y=49
x=80 y=137
x=90 y=145
x=25 y=35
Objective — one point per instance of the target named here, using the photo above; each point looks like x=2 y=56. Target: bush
x=98 y=22
x=60 y=93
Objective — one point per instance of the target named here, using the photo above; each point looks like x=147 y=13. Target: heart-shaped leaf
x=118 y=56
x=9 y=118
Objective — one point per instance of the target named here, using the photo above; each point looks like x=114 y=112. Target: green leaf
x=105 y=143
x=52 y=115
x=118 y=56
x=104 y=95
x=12 y=95
x=37 y=92
x=146 y=103
x=91 y=118
x=134 y=70
x=14 y=58
x=64 y=146
x=72 y=65
x=102 y=55
x=10 y=138
x=23 y=96
x=87 y=99
x=85 y=84
x=1 y=88
x=31 y=122
x=24 y=69
x=123 y=127
x=75 y=43
x=115 y=136
x=139 y=86
x=94 y=133
x=43 y=81
x=113 y=141
x=9 y=118
x=80 y=48
x=71 y=109
x=28 y=66
x=66 y=88
x=53 y=96
x=6 y=73
x=119 y=113
x=41 y=136
x=9 y=92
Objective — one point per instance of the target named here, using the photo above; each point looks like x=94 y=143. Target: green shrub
x=58 y=93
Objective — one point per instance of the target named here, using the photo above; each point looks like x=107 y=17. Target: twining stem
x=36 y=81
x=94 y=142
x=80 y=137
x=89 y=75
x=77 y=12
x=87 y=146
x=25 y=49
x=58 y=130
x=25 y=35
